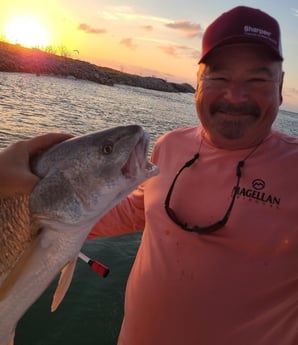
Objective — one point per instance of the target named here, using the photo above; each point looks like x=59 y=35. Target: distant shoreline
x=15 y=58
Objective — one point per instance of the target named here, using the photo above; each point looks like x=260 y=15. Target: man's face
x=238 y=95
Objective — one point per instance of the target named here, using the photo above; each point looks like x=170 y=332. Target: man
x=218 y=260
x=15 y=174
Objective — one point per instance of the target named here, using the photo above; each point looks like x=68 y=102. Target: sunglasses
x=201 y=229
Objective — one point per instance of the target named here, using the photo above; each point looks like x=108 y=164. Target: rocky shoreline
x=15 y=58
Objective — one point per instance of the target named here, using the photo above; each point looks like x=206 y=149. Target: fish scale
x=41 y=235
x=15 y=230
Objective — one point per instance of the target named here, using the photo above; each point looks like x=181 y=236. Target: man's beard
x=234 y=128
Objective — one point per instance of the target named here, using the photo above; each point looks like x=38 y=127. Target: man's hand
x=15 y=174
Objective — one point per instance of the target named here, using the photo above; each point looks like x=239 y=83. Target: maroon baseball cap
x=241 y=25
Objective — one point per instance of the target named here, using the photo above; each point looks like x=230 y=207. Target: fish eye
x=107 y=149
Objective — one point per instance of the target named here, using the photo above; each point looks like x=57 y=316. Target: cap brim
x=239 y=40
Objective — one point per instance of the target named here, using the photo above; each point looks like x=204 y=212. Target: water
x=30 y=105
x=92 y=310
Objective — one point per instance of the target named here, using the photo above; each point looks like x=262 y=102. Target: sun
x=27 y=32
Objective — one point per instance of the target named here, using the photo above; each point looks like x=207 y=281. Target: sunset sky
x=159 y=38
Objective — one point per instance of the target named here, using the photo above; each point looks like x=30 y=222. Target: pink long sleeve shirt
x=237 y=286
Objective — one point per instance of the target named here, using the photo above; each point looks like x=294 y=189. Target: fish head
x=84 y=177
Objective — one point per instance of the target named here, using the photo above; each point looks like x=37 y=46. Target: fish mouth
x=137 y=163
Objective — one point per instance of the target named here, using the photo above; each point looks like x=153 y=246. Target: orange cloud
x=89 y=30
x=147 y=27
x=128 y=42
x=189 y=29
x=179 y=51
x=169 y=50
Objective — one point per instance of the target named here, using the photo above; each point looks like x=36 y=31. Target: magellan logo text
x=257 y=193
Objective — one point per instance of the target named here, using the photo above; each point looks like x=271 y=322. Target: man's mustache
x=243 y=108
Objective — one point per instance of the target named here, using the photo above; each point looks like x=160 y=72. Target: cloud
x=90 y=30
x=179 y=51
x=189 y=29
x=290 y=99
x=169 y=50
x=155 y=40
x=148 y=23
x=147 y=27
x=295 y=11
x=128 y=13
x=292 y=91
x=128 y=42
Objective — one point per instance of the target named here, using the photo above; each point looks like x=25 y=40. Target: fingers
x=15 y=174
x=42 y=142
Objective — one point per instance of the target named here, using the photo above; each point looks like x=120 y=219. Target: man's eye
x=216 y=79
x=257 y=80
x=219 y=79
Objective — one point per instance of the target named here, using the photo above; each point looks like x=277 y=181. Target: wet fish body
x=81 y=180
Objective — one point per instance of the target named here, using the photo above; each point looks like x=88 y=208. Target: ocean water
x=30 y=105
x=92 y=310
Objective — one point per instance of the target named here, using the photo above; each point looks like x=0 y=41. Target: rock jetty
x=15 y=58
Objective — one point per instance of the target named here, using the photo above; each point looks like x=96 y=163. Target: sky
x=160 y=38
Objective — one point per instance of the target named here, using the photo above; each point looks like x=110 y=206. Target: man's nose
x=236 y=91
